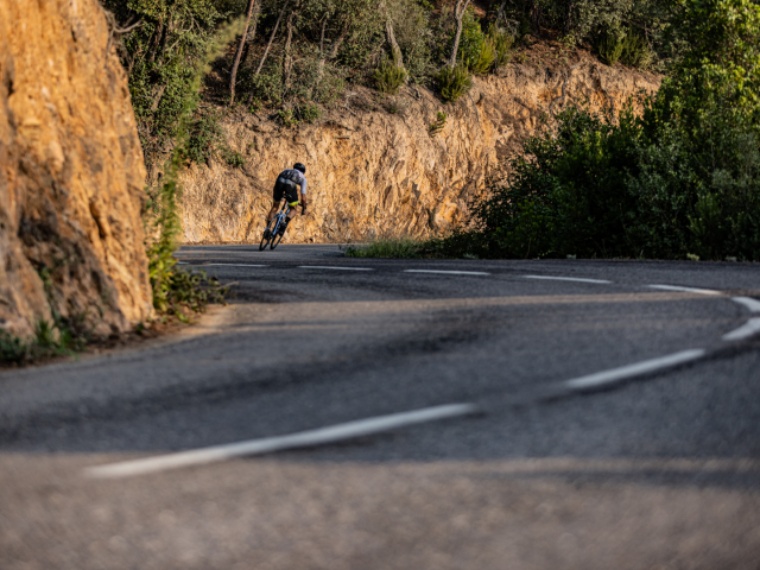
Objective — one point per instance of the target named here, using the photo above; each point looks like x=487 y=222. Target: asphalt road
x=371 y=414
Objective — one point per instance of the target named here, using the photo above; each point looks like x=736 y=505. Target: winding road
x=361 y=414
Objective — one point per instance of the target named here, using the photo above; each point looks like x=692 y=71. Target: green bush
x=308 y=113
x=636 y=51
x=485 y=59
x=502 y=42
x=453 y=83
x=610 y=47
x=388 y=77
x=232 y=157
x=680 y=181
x=205 y=135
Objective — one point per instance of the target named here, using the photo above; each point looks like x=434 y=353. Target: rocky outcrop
x=389 y=167
x=71 y=173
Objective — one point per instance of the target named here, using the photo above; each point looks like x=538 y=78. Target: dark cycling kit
x=287 y=185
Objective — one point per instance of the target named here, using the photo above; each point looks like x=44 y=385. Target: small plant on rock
x=437 y=126
x=453 y=82
x=389 y=77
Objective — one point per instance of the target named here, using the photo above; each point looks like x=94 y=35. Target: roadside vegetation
x=678 y=180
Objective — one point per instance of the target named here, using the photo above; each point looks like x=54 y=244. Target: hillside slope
x=375 y=168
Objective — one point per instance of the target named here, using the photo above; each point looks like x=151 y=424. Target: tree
x=241 y=47
x=459 y=10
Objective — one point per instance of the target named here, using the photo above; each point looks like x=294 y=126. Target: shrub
x=437 y=126
x=453 y=83
x=610 y=47
x=502 y=42
x=389 y=77
x=205 y=134
x=232 y=157
x=484 y=60
x=567 y=195
x=307 y=113
x=635 y=51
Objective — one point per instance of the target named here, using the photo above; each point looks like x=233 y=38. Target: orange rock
x=72 y=174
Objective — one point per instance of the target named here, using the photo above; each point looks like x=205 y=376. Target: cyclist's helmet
x=299 y=166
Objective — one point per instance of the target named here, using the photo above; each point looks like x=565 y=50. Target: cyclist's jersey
x=295 y=177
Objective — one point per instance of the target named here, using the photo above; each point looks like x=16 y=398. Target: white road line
x=752 y=304
x=608 y=377
x=443 y=272
x=685 y=289
x=576 y=279
x=232 y=265
x=322 y=436
x=335 y=267
x=752 y=327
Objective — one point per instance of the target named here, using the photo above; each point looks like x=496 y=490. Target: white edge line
x=335 y=267
x=311 y=438
x=444 y=272
x=618 y=374
x=231 y=265
x=685 y=289
x=752 y=327
x=752 y=304
x=577 y=279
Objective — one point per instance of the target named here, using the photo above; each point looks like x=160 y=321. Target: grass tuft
x=403 y=248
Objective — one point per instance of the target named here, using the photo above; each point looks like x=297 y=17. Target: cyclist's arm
x=304 y=200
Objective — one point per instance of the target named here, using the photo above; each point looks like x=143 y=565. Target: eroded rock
x=71 y=173
x=375 y=166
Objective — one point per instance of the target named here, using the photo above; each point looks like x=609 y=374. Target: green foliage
x=190 y=292
x=232 y=157
x=610 y=47
x=62 y=338
x=287 y=118
x=567 y=194
x=681 y=181
x=161 y=56
x=403 y=248
x=204 y=137
x=477 y=53
x=453 y=83
x=437 y=126
x=636 y=51
x=389 y=77
x=308 y=113
x=13 y=350
x=502 y=42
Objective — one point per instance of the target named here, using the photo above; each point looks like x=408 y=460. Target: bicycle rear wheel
x=264 y=242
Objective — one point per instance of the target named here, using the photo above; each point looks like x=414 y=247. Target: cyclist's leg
x=291 y=195
x=277 y=195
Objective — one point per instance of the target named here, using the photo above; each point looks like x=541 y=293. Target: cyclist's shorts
x=287 y=189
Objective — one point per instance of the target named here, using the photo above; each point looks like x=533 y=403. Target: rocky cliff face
x=375 y=166
x=71 y=173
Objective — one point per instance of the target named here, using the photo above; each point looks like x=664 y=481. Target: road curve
x=349 y=413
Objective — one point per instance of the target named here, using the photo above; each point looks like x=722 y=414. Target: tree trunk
x=271 y=40
x=287 y=57
x=398 y=58
x=459 y=10
x=241 y=47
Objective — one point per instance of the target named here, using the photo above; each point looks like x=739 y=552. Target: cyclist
x=290 y=183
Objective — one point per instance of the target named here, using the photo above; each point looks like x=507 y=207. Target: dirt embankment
x=378 y=167
x=71 y=173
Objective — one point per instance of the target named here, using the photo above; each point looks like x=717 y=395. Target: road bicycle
x=272 y=237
